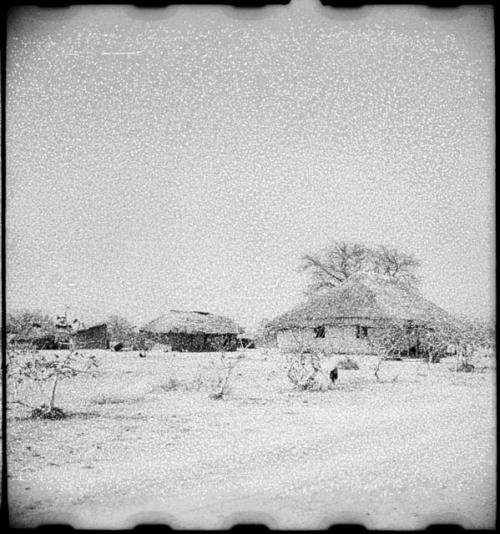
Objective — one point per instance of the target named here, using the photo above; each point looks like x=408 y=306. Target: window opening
x=319 y=331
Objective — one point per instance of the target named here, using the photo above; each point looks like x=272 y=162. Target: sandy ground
x=409 y=451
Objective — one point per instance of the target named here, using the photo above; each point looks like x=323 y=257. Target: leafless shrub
x=465 y=367
x=197 y=382
x=467 y=337
x=386 y=339
x=224 y=367
x=304 y=369
x=29 y=369
x=305 y=372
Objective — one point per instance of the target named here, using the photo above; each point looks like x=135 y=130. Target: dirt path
x=306 y=467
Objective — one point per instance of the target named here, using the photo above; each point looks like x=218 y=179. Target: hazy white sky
x=187 y=159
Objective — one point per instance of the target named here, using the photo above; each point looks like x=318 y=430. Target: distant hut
x=47 y=342
x=33 y=339
x=340 y=320
x=95 y=337
x=19 y=342
x=192 y=331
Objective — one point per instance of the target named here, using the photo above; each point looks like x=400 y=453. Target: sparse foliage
x=333 y=265
x=224 y=367
x=392 y=262
x=305 y=372
x=463 y=335
x=30 y=323
x=265 y=336
x=304 y=369
x=466 y=335
x=386 y=339
x=30 y=369
x=120 y=330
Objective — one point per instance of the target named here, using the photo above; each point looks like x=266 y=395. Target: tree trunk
x=458 y=357
x=53 y=393
x=466 y=356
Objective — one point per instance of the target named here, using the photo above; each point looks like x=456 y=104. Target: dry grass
x=301 y=448
x=104 y=399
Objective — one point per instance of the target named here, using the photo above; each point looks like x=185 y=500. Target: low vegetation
x=148 y=414
x=107 y=399
x=34 y=376
x=348 y=364
x=223 y=371
x=305 y=371
x=30 y=371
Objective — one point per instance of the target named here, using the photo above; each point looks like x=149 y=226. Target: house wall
x=338 y=339
x=342 y=339
x=92 y=338
x=193 y=342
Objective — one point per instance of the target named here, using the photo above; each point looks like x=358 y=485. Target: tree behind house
x=29 y=324
x=120 y=330
x=334 y=264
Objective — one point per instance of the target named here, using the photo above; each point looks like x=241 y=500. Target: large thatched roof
x=191 y=322
x=362 y=296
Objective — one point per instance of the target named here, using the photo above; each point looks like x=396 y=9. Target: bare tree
x=333 y=265
x=392 y=262
x=465 y=335
x=120 y=329
x=29 y=368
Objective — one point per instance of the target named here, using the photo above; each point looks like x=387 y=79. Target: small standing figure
x=334 y=374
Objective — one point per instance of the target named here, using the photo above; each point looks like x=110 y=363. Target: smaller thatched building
x=95 y=337
x=192 y=331
x=341 y=320
x=46 y=342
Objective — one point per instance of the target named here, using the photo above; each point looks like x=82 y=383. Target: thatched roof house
x=94 y=337
x=340 y=319
x=46 y=342
x=193 y=331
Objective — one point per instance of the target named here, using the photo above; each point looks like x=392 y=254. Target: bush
x=29 y=370
x=465 y=368
x=102 y=400
x=172 y=384
x=305 y=372
x=348 y=364
x=221 y=374
x=45 y=412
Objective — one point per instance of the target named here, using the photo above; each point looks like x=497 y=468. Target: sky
x=188 y=157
